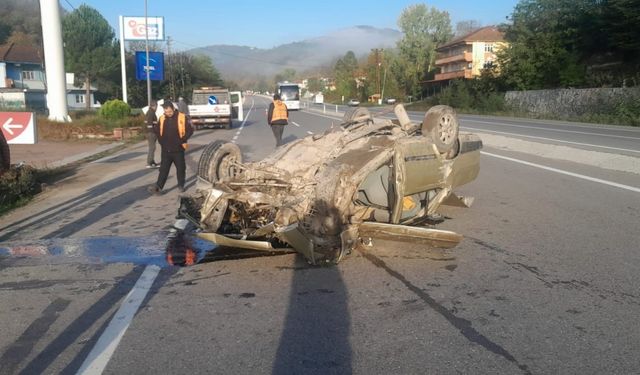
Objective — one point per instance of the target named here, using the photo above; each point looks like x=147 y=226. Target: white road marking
x=310 y=133
x=101 y=353
x=553 y=130
x=621 y=128
x=593 y=179
x=295 y=123
x=235 y=138
x=550 y=139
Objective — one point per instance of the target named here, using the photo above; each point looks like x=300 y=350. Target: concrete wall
x=570 y=102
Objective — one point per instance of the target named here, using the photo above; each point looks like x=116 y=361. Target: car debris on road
x=322 y=195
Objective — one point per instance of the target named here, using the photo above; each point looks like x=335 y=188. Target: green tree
x=5 y=32
x=314 y=85
x=286 y=75
x=91 y=52
x=424 y=29
x=345 y=71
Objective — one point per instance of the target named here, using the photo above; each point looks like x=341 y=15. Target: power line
x=67 y=1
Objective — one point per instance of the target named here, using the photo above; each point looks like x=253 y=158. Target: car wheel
x=441 y=125
x=355 y=115
x=219 y=161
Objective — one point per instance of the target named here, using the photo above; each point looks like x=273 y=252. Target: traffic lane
x=52 y=314
x=547 y=262
x=279 y=315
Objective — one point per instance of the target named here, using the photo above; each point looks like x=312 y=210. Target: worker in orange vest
x=278 y=117
x=173 y=131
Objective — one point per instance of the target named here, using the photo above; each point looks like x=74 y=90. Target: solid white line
x=295 y=123
x=101 y=353
x=593 y=179
x=553 y=130
x=550 y=139
x=621 y=128
x=310 y=133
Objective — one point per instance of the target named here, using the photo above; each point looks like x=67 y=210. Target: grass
x=83 y=123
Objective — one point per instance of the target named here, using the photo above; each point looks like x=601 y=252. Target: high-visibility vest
x=279 y=111
x=182 y=126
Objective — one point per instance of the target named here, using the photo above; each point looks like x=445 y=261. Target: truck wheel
x=355 y=115
x=441 y=125
x=219 y=161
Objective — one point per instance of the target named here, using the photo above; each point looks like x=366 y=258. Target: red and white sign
x=138 y=28
x=18 y=127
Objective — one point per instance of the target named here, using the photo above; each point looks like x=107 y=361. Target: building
x=23 y=82
x=77 y=96
x=466 y=56
x=22 y=79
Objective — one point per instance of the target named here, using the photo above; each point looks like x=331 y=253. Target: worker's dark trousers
x=152 y=139
x=277 y=132
x=168 y=158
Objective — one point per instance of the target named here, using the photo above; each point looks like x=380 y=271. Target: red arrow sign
x=14 y=124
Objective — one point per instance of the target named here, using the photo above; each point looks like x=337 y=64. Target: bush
x=115 y=110
x=17 y=184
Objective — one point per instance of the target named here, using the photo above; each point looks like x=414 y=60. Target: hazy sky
x=265 y=24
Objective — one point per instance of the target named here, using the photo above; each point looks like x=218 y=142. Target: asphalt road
x=545 y=280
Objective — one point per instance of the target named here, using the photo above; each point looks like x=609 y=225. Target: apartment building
x=466 y=56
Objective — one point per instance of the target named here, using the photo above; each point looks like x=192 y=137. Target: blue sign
x=156 y=66
x=213 y=100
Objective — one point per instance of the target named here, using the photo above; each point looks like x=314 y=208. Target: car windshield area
x=289 y=93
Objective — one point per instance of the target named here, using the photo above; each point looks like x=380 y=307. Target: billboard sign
x=156 y=66
x=135 y=28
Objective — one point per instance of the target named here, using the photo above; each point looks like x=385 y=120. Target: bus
x=289 y=94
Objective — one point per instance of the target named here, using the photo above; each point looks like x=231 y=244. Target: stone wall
x=571 y=102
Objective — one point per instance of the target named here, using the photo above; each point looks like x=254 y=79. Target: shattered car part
x=323 y=194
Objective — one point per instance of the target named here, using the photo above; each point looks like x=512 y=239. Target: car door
x=236 y=104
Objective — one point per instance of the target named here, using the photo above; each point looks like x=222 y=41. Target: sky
x=266 y=24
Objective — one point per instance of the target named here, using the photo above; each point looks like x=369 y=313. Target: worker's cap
x=167 y=104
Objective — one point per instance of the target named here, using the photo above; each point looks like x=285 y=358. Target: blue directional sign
x=213 y=100
x=156 y=66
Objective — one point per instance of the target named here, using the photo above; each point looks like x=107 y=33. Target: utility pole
x=172 y=82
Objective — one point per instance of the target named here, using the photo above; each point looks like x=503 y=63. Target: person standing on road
x=183 y=107
x=173 y=132
x=277 y=117
x=152 y=122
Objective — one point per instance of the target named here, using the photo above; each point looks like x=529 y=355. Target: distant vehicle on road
x=390 y=101
x=214 y=106
x=353 y=103
x=289 y=94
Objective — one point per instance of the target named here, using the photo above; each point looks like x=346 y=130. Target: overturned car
x=368 y=178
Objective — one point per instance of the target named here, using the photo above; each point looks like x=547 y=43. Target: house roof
x=20 y=54
x=483 y=34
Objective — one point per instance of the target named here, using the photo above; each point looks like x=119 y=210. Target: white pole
x=146 y=47
x=123 y=67
x=54 y=61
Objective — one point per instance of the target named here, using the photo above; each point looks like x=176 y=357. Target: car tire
x=357 y=114
x=218 y=161
x=441 y=125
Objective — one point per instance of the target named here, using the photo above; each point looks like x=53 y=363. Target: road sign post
x=19 y=127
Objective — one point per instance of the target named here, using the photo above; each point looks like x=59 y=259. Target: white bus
x=289 y=94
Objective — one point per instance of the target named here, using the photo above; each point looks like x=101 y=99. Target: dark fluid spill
x=149 y=250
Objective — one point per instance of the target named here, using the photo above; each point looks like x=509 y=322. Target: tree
x=286 y=75
x=345 y=75
x=90 y=48
x=314 y=85
x=5 y=32
x=424 y=30
x=467 y=26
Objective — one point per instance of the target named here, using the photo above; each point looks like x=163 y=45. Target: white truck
x=215 y=106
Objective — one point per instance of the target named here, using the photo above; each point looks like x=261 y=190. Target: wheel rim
x=446 y=129
x=227 y=167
